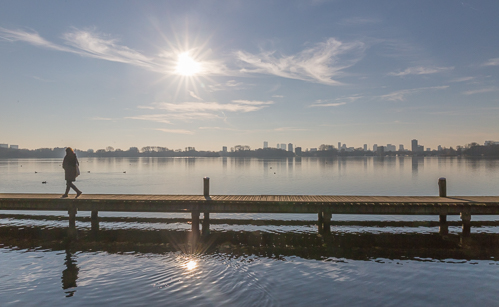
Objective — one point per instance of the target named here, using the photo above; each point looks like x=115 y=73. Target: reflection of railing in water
x=336 y=245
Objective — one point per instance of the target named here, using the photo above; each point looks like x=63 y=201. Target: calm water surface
x=249 y=259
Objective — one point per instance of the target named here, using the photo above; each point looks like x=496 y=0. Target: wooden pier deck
x=410 y=205
x=323 y=205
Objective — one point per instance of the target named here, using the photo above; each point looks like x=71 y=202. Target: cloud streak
x=492 y=62
x=479 y=91
x=401 y=95
x=420 y=71
x=322 y=63
x=198 y=110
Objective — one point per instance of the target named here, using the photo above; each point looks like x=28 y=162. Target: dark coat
x=69 y=165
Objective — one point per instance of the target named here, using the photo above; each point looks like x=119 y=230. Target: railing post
x=206 y=186
x=442 y=187
x=442 y=192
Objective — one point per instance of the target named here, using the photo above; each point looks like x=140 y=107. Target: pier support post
x=206 y=223
x=72 y=221
x=206 y=186
x=327 y=221
x=94 y=218
x=466 y=218
x=195 y=223
x=320 y=222
x=442 y=192
x=443 y=229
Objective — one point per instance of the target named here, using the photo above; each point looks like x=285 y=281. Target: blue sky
x=91 y=74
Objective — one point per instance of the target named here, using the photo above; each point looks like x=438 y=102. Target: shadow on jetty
x=339 y=245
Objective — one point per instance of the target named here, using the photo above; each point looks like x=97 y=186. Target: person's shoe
x=64 y=196
x=78 y=194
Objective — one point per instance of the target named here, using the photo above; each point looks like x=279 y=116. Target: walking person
x=70 y=166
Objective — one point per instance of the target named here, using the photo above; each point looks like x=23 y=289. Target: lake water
x=249 y=259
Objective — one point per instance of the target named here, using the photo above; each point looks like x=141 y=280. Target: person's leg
x=78 y=192
x=68 y=186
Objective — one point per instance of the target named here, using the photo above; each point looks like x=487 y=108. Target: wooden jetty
x=323 y=205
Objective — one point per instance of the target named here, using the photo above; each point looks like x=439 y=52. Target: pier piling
x=94 y=218
x=72 y=221
x=442 y=192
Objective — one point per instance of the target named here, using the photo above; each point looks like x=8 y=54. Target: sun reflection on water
x=191 y=265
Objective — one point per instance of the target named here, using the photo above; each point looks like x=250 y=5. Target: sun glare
x=186 y=66
x=191 y=265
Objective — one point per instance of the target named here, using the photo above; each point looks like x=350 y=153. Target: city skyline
x=210 y=74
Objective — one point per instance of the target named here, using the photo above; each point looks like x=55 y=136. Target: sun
x=186 y=65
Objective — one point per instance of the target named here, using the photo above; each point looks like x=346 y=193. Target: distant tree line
x=470 y=150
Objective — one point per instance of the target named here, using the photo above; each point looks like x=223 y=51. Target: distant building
x=298 y=150
x=339 y=145
x=224 y=149
x=190 y=149
x=375 y=147
x=4 y=145
x=290 y=147
x=439 y=147
x=414 y=145
x=487 y=143
x=265 y=144
x=14 y=146
x=313 y=149
x=428 y=149
x=380 y=150
x=401 y=147
x=283 y=146
x=390 y=147
x=365 y=147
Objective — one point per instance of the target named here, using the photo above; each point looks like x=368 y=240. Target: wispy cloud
x=463 y=79
x=335 y=102
x=277 y=96
x=231 y=85
x=89 y=43
x=319 y=64
x=479 y=91
x=401 y=95
x=492 y=62
x=193 y=95
x=187 y=111
x=176 y=131
x=420 y=71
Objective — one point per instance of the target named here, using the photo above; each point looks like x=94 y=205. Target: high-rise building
x=290 y=147
x=283 y=146
x=4 y=145
x=339 y=145
x=401 y=147
x=414 y=145
x=375 y=147
x=298 y=150
x=439 y=147
x=265 y=144
x=365 y=147
x=390 y=147
x=224 y=148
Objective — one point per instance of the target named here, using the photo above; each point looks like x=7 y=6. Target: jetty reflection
x=348 y=240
